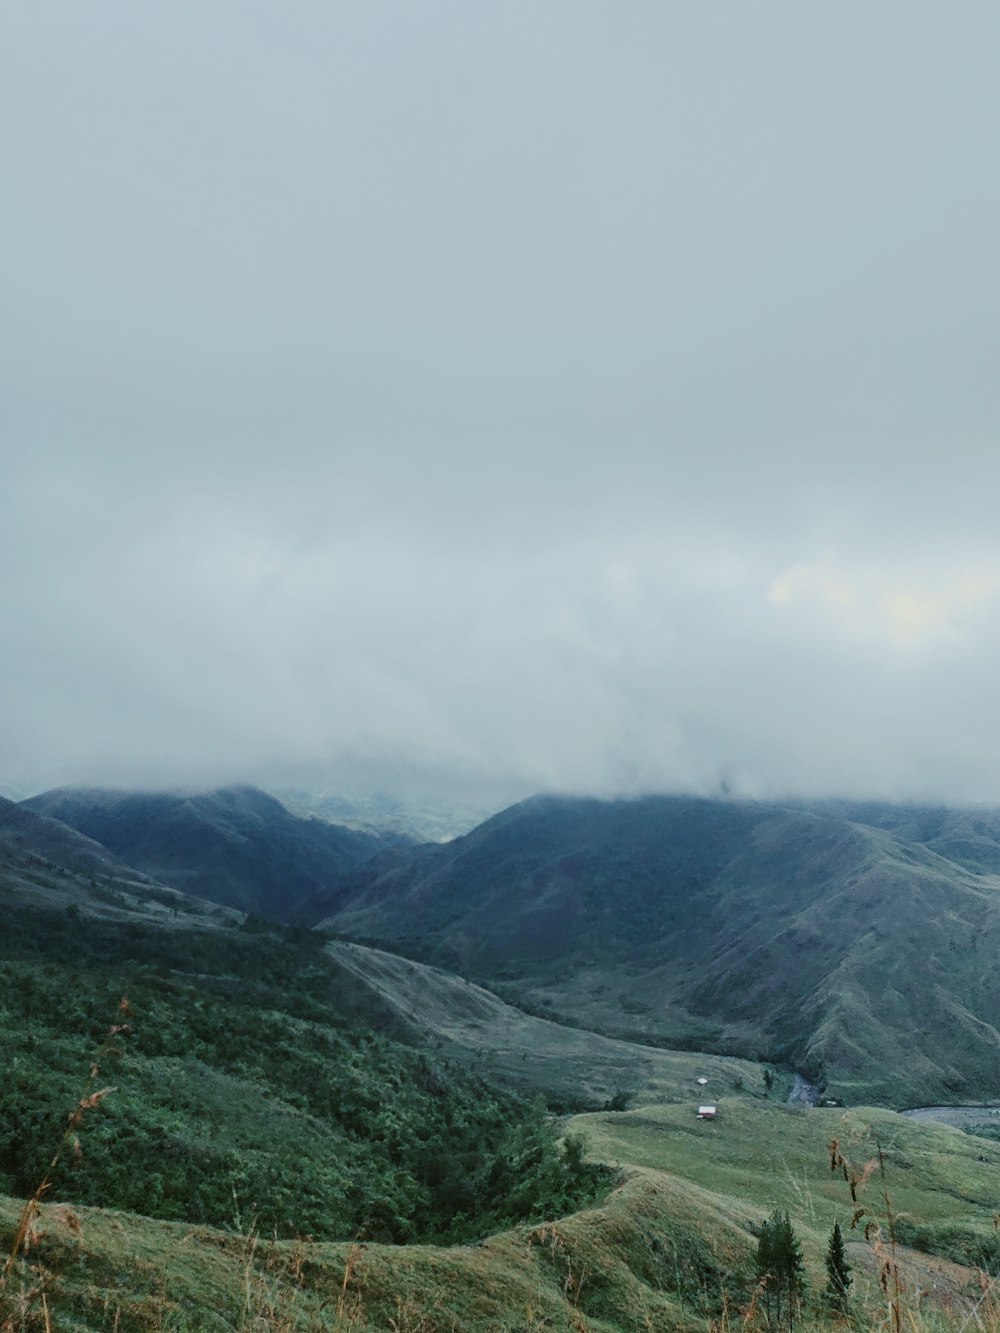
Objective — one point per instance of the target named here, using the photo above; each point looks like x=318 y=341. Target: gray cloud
x=578 y=397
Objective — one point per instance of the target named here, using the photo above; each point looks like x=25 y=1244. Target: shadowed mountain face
x=856 y=952
x=48 y=867
x=28 y=837
x=236 y=846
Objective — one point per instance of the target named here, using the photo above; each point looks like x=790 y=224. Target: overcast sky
x=590 y=396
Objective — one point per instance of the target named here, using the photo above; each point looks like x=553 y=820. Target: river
x=957 y=1116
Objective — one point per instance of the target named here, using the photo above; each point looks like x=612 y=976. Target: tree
x=780 y=1270
x=838 y=1272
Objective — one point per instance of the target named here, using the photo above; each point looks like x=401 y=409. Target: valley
x=350 y=1134
x=569 y=1066
x=864 y=959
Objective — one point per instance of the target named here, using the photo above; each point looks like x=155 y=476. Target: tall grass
x=271 y=1286
x=901 y=1308
x=25 y=1285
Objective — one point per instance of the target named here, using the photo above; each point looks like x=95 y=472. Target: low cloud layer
x=560 y=399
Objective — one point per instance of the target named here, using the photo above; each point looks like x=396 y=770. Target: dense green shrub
x=249 y=1085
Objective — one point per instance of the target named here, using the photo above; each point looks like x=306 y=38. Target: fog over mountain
x=501 y=397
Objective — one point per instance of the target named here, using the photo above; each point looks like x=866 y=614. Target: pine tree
x=779 y=1267
x=838 y=1272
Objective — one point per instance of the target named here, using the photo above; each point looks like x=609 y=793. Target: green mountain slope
x=670 y=1248
x=256 y=1077
x=259 y=1075
x=323 y=1088
x=236 y=846
x=46 y=864
x=569 y=1066
x=547 y=879
x=868 y=961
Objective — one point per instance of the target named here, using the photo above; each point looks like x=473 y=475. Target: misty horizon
x=473 y=803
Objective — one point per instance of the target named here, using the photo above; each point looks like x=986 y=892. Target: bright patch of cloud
x=907 y=608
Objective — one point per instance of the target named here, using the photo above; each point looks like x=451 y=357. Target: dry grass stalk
x=27 y=1233
x=349 y=1307
x=879 y=1233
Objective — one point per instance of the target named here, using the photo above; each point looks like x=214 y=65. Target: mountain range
x=339 y=1089
x=862 y=950
x=854 y=942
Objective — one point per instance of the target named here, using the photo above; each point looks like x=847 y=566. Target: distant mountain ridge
x=237 y=845
x=968 y=836
x=865 y=958
x=411 y=818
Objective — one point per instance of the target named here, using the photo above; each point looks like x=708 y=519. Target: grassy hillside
x=667 y=1249
x=756 y=1157
x=236 y=846
x=570 y=1066
x=939 y=1183
x=865 y=960
x=640 y=1261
